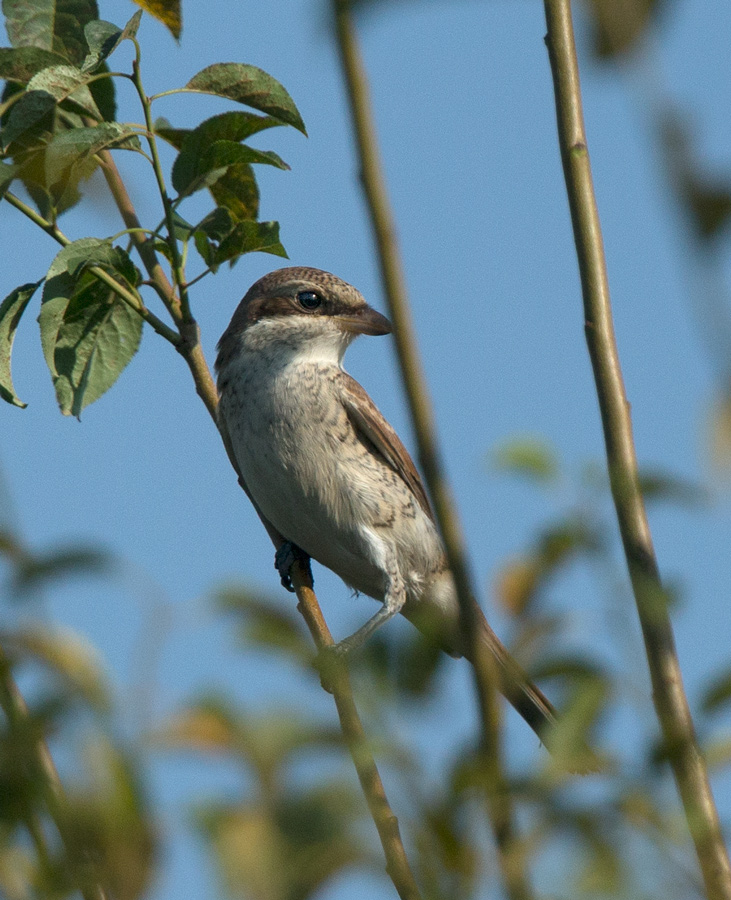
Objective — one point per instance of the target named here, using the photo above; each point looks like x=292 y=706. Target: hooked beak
x=365 y=320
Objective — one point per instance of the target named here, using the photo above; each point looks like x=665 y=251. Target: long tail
x=517 y=688
x=441 y=622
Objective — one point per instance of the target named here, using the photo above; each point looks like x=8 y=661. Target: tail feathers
x=518 y=689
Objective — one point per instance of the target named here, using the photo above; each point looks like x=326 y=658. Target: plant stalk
x=671 y=704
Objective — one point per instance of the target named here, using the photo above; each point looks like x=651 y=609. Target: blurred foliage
x=297 y=821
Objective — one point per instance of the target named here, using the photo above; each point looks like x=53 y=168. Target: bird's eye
x=309 y=299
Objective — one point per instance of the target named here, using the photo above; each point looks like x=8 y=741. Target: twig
x=336 y=680
x=669 y=696
x=374 y=187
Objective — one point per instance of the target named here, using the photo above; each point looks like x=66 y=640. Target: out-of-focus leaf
x=66 y=83
x=11 y=309
x=67 y=654
x=266 y=743
x=74 y=147
x=603 y=870
x=662 y=486
x=290 y=850
x=447 y=858
x=208 y=727
x=18 y=871
x=266 y=625
x=103 y=39
x=720 y=433
x=250 y=86
x=88 y=334
x=249 y=851
x=109 y=837
x=34 y=571
x=516 y=582
x=717 y=753
x=20 y=64
x=718 y=694
x=619 y=24
x=169 y=12
x=528 y=457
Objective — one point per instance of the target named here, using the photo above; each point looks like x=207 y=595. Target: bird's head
x=299 y=311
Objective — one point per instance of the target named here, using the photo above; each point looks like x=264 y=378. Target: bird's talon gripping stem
x=285 y=557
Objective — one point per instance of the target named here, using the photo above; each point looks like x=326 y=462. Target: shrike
x=327 y=470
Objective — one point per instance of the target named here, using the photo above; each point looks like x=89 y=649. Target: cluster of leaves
x=84 y=833
x=58 y=126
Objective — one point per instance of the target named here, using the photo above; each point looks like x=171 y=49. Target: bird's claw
x=285 y=557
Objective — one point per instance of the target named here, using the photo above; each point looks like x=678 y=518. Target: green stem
x=183 y=312
x=671 y=703
x=131 y=298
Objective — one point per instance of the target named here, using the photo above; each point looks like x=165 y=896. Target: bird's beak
x=365 y=320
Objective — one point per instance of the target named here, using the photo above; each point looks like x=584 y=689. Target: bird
x=327 y=471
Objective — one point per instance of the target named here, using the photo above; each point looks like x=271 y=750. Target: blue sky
x=464 y=106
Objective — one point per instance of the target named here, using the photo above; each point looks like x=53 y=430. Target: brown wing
x=367 y=420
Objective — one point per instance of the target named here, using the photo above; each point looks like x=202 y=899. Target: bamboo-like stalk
x=669 y=696
x=384 y=230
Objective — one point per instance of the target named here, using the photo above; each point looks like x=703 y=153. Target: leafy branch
x=92 y=310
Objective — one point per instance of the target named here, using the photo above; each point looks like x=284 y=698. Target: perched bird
x=327 y=470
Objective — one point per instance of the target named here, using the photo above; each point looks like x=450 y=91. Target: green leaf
x=227 y=130
x=237 y=191
x=88 y=334
x=718 y=694
x=251 y=86
x=193 y=172
x=7 y=173
x=56 y=25
x=174 y=136
x=103 y=39
x=66 y=83
x=249 y=237
x=74 y=147
x=20 y=64
x=166 y=11
x=528 y=457
x=11 y=309
x=30 y=117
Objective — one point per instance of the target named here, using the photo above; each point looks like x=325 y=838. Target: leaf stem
x=671 y=704
x=181 y=309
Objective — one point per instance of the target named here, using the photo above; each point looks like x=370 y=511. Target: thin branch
x=131 y=298
x=669 y=696
x=336 y=681
x=374 y=187
x=177 y=264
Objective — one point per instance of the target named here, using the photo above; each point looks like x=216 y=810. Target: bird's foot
x=285 y=557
